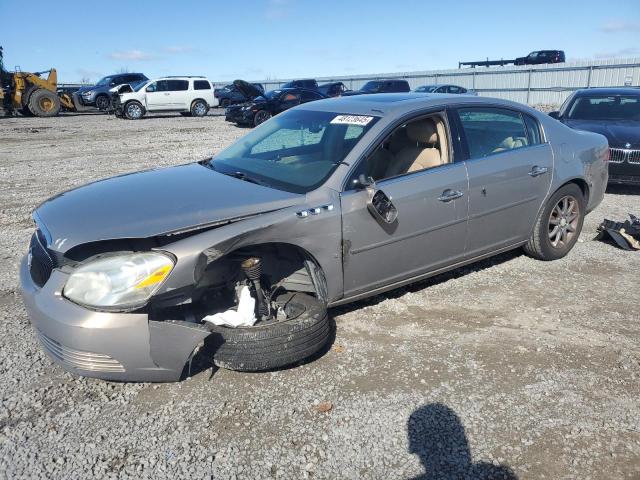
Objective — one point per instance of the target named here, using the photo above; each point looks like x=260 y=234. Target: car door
x=509 y=170
x=179 y=94
x=430 y=229
x=157 y=95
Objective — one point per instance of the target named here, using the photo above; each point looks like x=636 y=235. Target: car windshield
x=372 y=86
x=137 y=86
x=295 y=151
x=605 y=107
x=104 y=81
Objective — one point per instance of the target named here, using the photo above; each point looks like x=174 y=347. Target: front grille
x=621 y=155
x=41 y=260
x=94 y=362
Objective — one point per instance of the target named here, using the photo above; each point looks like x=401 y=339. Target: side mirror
x=381 y=206
x=150 y=89
x=555 y=115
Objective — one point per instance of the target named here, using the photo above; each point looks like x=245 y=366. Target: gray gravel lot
x=511 y=368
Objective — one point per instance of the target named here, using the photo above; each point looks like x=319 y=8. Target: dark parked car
x=264 y=106
x=325 y=204
x=444 y=89
x=381 y=86
x=230 y=95
x=99 y=96
x=541 y=56
x=614 y=113
x=333 y=89
x=309 y=83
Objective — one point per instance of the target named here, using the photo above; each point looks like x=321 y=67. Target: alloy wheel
x=563 y=221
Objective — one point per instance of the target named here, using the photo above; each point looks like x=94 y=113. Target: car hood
x=618 y=132
x=248 y=90
x=153 y=203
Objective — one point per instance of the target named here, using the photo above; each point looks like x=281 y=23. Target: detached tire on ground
x=558 y=225
x=275 y=344
x=44 y=103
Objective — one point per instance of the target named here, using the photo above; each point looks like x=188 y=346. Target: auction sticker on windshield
x=352 y=120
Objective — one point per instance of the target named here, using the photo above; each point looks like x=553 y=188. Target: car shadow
x=436 y=435
x=623 y=190
x=429 y=282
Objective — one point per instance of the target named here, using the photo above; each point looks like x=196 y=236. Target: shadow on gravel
x=437 y=436
x=623 y=190
x=431 y=281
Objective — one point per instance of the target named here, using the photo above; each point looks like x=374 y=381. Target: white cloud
x=179 y=49
x=620 y=26
x=133 y=55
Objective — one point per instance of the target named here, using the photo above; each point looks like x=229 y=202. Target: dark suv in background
x=98 y=95
x=309 y=83
x=541 y=56
x=230 y=95
x=612 y=112
x=333 y=89
x=381 y=86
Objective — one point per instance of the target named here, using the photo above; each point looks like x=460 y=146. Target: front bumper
x=110 y=346
x=624 y=173
x=237 y=115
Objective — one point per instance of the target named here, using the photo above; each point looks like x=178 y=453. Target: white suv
x=190 y=96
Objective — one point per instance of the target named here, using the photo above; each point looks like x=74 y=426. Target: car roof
x=608 y=91
x=383 y=104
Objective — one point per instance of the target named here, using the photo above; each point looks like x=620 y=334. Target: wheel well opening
x=584 y=187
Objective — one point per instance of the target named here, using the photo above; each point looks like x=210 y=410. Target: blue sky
x=259 y=39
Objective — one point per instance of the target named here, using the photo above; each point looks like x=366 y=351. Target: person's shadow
x=437 y=436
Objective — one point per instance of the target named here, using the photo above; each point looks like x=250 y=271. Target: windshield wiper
x=245 y=177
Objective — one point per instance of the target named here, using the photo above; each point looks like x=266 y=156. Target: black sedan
x=266 y=105
x=614 y=113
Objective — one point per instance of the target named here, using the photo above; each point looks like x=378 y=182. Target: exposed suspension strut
x=252 y=268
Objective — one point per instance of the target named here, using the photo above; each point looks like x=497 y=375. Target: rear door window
x=492 y=130
x=533 y=130
x=201 y=85
x=178 y=85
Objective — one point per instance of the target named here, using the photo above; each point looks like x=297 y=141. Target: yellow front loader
x=33 y=95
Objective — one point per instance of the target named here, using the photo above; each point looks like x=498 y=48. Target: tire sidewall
x=193 y=108
x=256 y=117
x=549 y=252
x=126 y=110
x=34 y=107
x=98 y=98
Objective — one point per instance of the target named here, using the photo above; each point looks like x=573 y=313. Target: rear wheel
x=102 y=102
x=44 y=103
x=133 y=110
x=260 y=117
x=199 y=108
x=273 y=344
x=558 y=225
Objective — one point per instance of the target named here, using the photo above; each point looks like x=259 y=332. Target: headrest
x=423 y=131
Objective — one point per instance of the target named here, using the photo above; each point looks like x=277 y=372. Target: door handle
x=449 y=195
x=536 y=171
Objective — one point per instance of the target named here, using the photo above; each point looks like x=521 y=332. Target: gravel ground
x=510 y=368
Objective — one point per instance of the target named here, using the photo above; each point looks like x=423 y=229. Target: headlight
x=127 y=280
x=87 y=94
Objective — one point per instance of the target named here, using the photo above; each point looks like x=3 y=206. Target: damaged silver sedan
x=239 y=256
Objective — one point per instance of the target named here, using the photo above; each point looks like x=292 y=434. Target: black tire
x=44 y=103
x=274 y=344
x=103 y=102
x=224 y=103
x=261 y=116
x=199 y=108
x=133 y=110
x=540 y=245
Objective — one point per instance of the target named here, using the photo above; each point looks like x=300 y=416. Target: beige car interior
x=418 y=145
